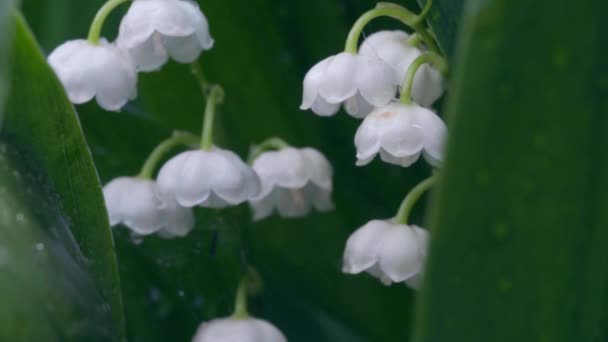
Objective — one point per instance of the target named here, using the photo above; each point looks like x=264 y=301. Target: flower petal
x=151 y=54
x=133 y=202
x=210 y=178
x=375 y=81
x=241 y=330
x=362 y=247
x=358 y=107
x=402 y=252
x=292 y=203
x=429 y=85
x=338 y=81
x=146 y=17
x=434 y=133
x=184 y=49
x=321 y=170
x=312 y=83
x=286 y=168
x=324 y=108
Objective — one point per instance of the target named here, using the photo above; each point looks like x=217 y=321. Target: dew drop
x=181 y=293
x=39 y=246
x=20 y=218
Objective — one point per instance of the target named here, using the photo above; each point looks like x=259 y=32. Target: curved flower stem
x=197 y=71
x=240 y=301
x=100 y=18
x=215 y=97
x=386 y=9
x=408 y=82
x=414 y=39
x=178 y=138
x=412 y=197
x=273 y=143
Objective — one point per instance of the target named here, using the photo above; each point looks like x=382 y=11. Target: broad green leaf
x=518 y=250
x=41 y=124
x=47 y=291
x=5 y=40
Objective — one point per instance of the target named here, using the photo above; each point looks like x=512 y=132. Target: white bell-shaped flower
x=400 y=133
x=154 y=30
x=238 y=330
x=388 y=251
x=103 y=71
x=393 y=48
x=360 y=82
x=212 y=179
x=293 y=181
x=134 y=203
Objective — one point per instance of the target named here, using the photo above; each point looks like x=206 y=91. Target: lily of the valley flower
x=134 y=203
x=102 y=70
x=360 y=82
x=400 y=133
x=388 y=251
x=293 y=181
x=154 y=30
x=238 y=330
x=213 y=178
x=393 y=48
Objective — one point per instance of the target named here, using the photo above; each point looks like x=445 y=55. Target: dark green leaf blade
x=40 y=120
x=5 y=40
x=518 y=250
x=445 y=19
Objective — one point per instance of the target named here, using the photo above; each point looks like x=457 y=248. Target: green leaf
x=445 y=19
x=5 y=39
x=518 y=250
x=41 y=124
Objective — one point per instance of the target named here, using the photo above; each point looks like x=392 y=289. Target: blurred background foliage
x=263 y=49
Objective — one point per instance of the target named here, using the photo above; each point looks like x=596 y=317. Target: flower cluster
x=390 y=82
x=150 y=33
x=398 y=126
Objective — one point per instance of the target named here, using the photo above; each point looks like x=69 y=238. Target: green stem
x=178 y=138
x=385 y=9
x=273 y=143
x=412 y=197
x=408 y=82
x=100 y=18
x=240 y=301
x=414 y=40
x=215 y=97
x=197 y=71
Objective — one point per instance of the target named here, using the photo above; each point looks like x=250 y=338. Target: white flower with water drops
x=154 y=30
x=388 y=251
x=213 y=178
x=102 y=70
x=134 y=203
x=238 y=330
x=393 y=48
x=400 y=133
x=293 y=181
x=360 y=82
